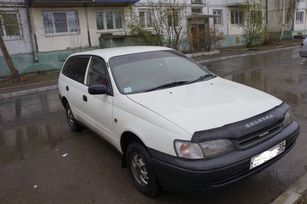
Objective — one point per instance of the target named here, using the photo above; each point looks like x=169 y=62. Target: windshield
x=149 y=71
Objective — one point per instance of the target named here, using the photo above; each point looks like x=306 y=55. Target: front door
x=100 y=107
x=198 y=37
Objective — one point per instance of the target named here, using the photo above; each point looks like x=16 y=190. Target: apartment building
x=42 y=33
x=300 y=21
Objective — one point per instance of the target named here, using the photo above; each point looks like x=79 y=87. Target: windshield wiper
x=201 y=78
x=168 y=85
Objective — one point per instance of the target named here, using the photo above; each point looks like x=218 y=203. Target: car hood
x=206 y=105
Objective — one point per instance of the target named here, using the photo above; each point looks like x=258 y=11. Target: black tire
x=148 y=185
x=73 y=124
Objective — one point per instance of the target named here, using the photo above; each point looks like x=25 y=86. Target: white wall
x=95 y=33
x=61 y=42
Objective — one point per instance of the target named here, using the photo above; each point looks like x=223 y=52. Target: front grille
x=258 y=136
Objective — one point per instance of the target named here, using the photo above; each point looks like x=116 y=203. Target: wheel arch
x=64 y=101
x=127 y=138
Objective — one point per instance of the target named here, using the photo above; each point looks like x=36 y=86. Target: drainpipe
x=87 y=27
x=32 y=37
x=283 y=19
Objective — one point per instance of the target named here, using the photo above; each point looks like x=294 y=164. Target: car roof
x=108 y=53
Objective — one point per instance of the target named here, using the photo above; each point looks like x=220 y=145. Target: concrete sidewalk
x=27 y=89
x=295 y=193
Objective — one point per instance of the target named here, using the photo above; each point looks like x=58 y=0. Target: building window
x=145 y=18
x=61 y=22
x=10 y=27
x=299 y=17
x=173 y=18
x=109 y=19
x=218 y=19
x=236 y=17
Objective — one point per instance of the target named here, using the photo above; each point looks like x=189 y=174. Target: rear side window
x=75 y=68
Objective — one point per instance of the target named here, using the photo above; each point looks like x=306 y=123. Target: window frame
x=299 y=14
x=173 y=18
x=233 y=17
x=218 y=20
x=146 y=11
x=86 y=83
x=54 y=34
x=105 y=28
x=2 y=23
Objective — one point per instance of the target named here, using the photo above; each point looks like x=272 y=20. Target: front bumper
x=181 y=175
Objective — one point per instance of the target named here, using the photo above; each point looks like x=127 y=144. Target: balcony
x=235 y=2
x=197 y=2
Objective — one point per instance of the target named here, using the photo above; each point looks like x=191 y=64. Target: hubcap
x=70 y=117
x=139 y=170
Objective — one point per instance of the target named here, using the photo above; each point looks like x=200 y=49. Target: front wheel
x=141 y=170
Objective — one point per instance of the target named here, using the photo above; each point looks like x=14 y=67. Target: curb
x=29 y=91
x=246 y=54
x=294 y=193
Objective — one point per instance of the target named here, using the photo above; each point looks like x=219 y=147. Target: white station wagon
x=178 y=126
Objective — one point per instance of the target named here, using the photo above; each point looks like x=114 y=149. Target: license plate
x=267 y=155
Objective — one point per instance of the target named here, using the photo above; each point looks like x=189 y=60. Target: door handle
x=67 y=88
x=84 y=98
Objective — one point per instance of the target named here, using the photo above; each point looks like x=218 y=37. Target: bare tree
x=168 y=21
x=253 y=23
x=8 y=60
x=7 y=21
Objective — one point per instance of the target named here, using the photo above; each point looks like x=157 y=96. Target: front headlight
x=203 y=150
x=216 y=147
x=288 y=118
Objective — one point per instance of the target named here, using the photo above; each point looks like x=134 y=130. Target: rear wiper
x=201 y=78
x=167 y=85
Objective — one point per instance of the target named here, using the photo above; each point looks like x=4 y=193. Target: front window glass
x=98 y=73
x=143 y=72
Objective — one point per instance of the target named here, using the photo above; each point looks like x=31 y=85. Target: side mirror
x=98 y=89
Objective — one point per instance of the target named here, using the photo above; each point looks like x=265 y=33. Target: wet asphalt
x=42 y=161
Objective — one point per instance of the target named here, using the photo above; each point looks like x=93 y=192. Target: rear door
x=74 y=84
x=100 y=107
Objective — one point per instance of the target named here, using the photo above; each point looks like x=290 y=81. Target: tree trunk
x=9 y=61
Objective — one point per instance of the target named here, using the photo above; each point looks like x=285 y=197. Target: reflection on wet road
x=34 y=136
x=30 y=124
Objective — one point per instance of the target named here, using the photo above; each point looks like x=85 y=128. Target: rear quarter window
x=75 y=68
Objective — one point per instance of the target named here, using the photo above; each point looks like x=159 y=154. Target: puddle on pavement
x=28 y=140
x=29 y=106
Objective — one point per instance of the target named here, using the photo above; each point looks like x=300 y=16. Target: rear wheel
x=141 y=170
x=73 y=124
